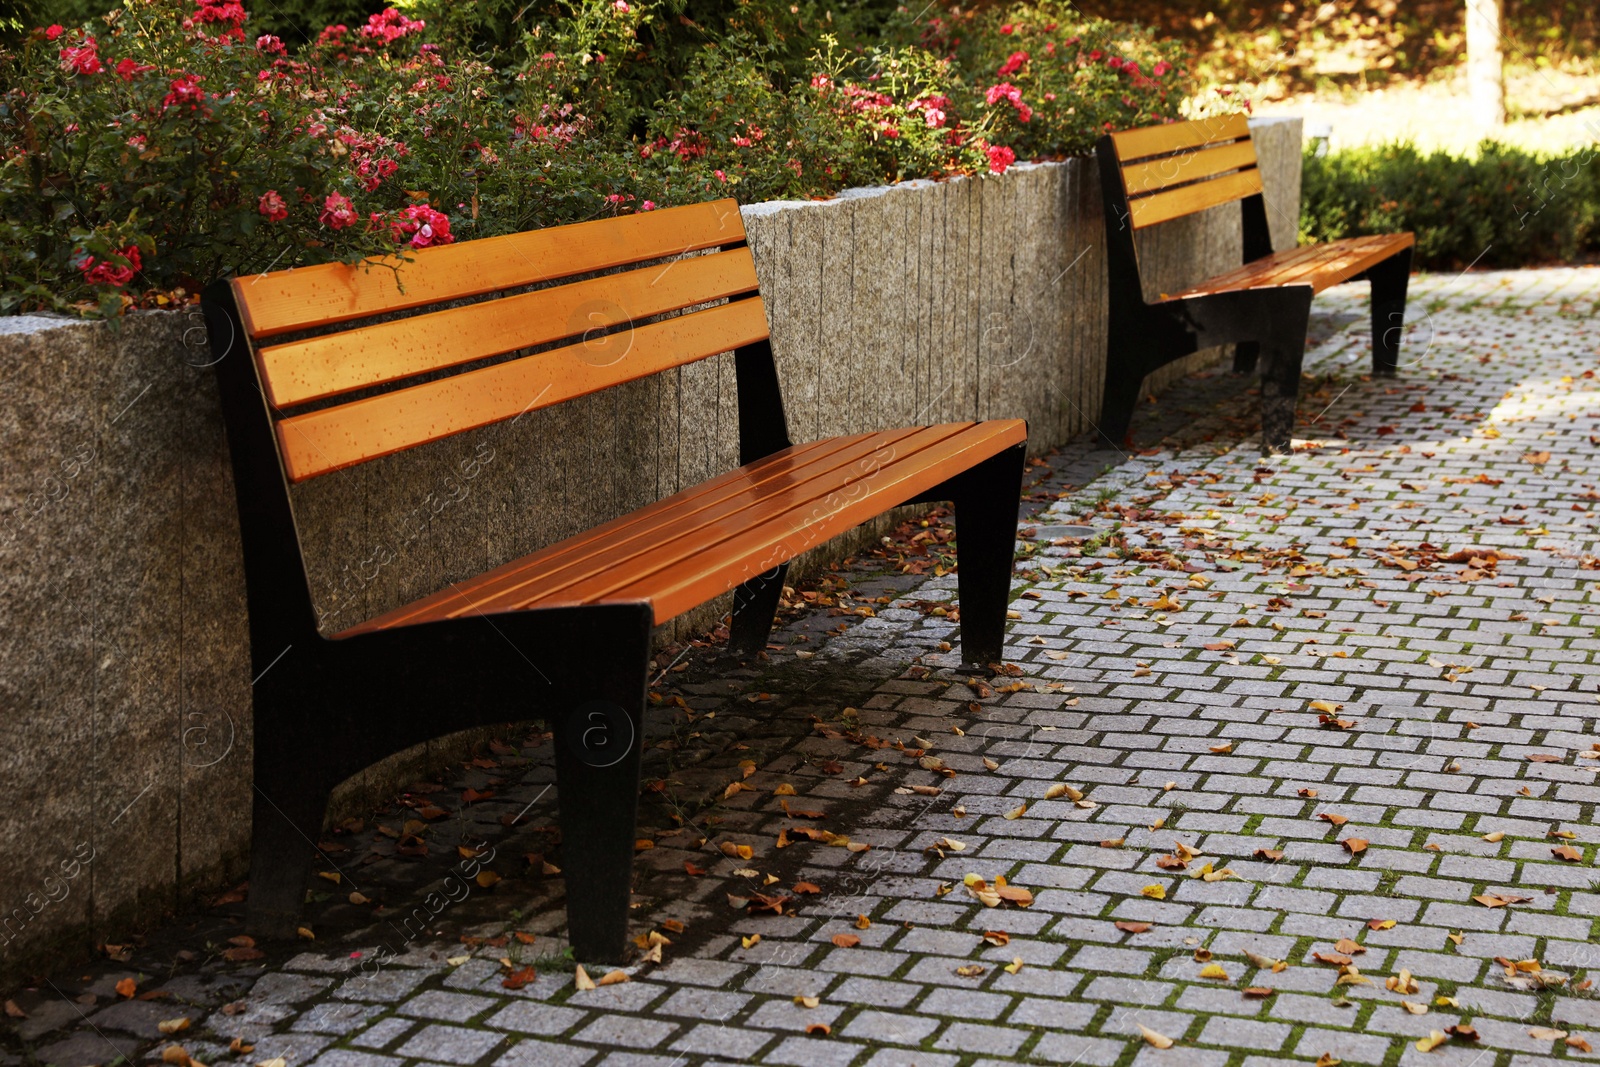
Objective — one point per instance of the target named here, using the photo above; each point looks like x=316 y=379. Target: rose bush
x=164 y=145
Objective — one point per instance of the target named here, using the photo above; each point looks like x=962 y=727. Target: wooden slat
x=1139 y=179
x=335 y=292
x=1177 y=136
x=1320 y=266
x=1187 y=199
x=765 y=475
x=328 y=440
x=677 y=556
x=390 y=351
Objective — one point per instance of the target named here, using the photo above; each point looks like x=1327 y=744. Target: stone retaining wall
x=125 y=733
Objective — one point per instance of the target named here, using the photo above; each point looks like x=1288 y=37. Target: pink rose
x=272 y=206
x=337 y=212
x=54 y=31
x=107 y=273
x=1000 y=157
x=83 y=60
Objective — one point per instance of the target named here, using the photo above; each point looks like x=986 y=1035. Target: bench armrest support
x=763 y=428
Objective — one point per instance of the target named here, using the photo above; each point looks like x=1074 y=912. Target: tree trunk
x=1485 y=75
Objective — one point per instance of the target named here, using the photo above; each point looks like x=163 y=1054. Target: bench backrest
x=1184 y=167
x=311 y=385
x=594 y=324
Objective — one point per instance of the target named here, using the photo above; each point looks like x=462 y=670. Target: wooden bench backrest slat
x=319 y=367
x=1184 y=167
x=333 y=438
x=306 y=297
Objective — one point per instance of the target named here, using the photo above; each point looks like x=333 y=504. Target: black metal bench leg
x=986 y=500
x=1389 y=280
x=286 y=823
x=755 y=604
x=1118 y=401
x=598 y=737
x=1285 y=349
x=1245 y=355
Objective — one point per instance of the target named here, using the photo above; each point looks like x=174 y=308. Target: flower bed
x=164 y=145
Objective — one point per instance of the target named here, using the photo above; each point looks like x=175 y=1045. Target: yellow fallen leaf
x=1159 y=1040
x=784 y=790
x=1498 y=835
x=173 y=1026
x=1326 y=706
x=1154 y=892
x=1414 y=1008
x=1014 y=966
x=1401 y=983
x=613 y=978
x=1017 y=812
x=581 y=979
x=807 y=1002
x=1328 y=1059
x=748 y=942
x=1061 y=789
x=1434 y=1039
x=1545 y=1033
x=1214 y=970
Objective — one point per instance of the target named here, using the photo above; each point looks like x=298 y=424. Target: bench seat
x=698 y=544
x=1320 y=266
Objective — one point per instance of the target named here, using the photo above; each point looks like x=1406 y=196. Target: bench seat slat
x=297 y=299
x=334 y=438
x=336 y=363
x=1320 y=266
x=758 y=518
x=1178 y=136
x=639 y=529
x=1187 y=199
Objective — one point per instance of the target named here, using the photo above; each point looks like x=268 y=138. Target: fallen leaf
x=1434 y=1039
x=1325 y=706
x=1495 y=837
x=518 y=979
x=1061 y=789
x=176 y=1055
x=807 y=887
x=846 y=940
x=819 y=1030
x=1349 y=947
x=1380 y=924
x=15 y=1011
x=1307 y=793
x=1258 y=991
x=997 y=938
x=1261 y=961
x=173 y=1026
x=1544 y=1033
x=1154 y=892
x=1225 y=747
x=581 y=979
x=240 y=1046
x=1576 y=1041
x=1354 y=845
x=1271 y=855
x=1159 y=1040
x=1337 y=820
x=1171 y=863
x=1401 y=983
x=1465 y=1033
x=1017 y=812
x=1568 y=853
x=971 y=970
x=613 y=978
x=1414 y=1008
x=1335 y=958
x=807 y=1002
x=1014 y=966
x=863 y=923
x=1328 y=1059
x=1214 y=970
x=127 y=987
x=1133 y=927
x=1496 y=900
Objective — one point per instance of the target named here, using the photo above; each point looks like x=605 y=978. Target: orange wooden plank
x=1188 y=199
x=1177 y=136
x=1189 y=166
x=1320 y=265
x=385 y=352
x=630 y=559
x=295 y=299
x=682 y=587
x=328 y=440
x=762 y=477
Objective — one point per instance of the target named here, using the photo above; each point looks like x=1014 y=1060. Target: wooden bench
x=310 y=386
x=1153 y=175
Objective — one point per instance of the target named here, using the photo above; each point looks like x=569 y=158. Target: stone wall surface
x=124 y=692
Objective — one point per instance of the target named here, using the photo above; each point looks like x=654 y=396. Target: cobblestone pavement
x=1294 y=759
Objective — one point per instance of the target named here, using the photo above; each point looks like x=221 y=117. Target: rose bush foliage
x=148 y=152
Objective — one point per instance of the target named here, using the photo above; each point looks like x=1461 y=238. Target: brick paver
x=1298 y=721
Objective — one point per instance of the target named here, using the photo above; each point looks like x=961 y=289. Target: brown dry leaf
x=1133 y=927
x=14 y=1010
x=997 y=938
x=863 y=923
x=737 y=852
x=1538 y=459
x=819 y=1030
x=1349 y=947
x=359 y=898
x=970 y=970
x=1380 y=924
x=1271 y=855
x=173 y=1026
x=1457 y=938
x=1017 y=895
x=1328 y=1059
x=1017 y=812
x=1495 y=837
x=1496 y=900
x=1568 y=853
x=1061 y=789
x=1337 y=820
x=692 y=870
x=1306 y=792
x=990 y=764
x=232 y=955
x=1335 y=958
x=846 y=940
x=1226 y=746
x=1259 y=960
x=1544 y=757
x=127 y=987
x=806 y=1002
x=1202 y=955
x=1434 y=1039
x=613 y=978
x=784 y=790
x=1545 y=1033
x=176 y=1055
x=807 y=887
x=584 y=983
x=1184 y=851
x=1401 y=983
x=520 y=978
x=240 y=1046
x=1354 y=845
x=486 y=879
x=1171 y=863
x=1576 y=1041
x=1258 y=991
x=1159 y=1040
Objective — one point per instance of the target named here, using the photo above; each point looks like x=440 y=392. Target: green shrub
x=147 y=152
x=1502 y=207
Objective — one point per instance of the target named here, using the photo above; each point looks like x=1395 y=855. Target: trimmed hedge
x=1503 y=207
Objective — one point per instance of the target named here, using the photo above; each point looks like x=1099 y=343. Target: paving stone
x=532 y=1052
x=532 y=1017
x=449 y=1044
